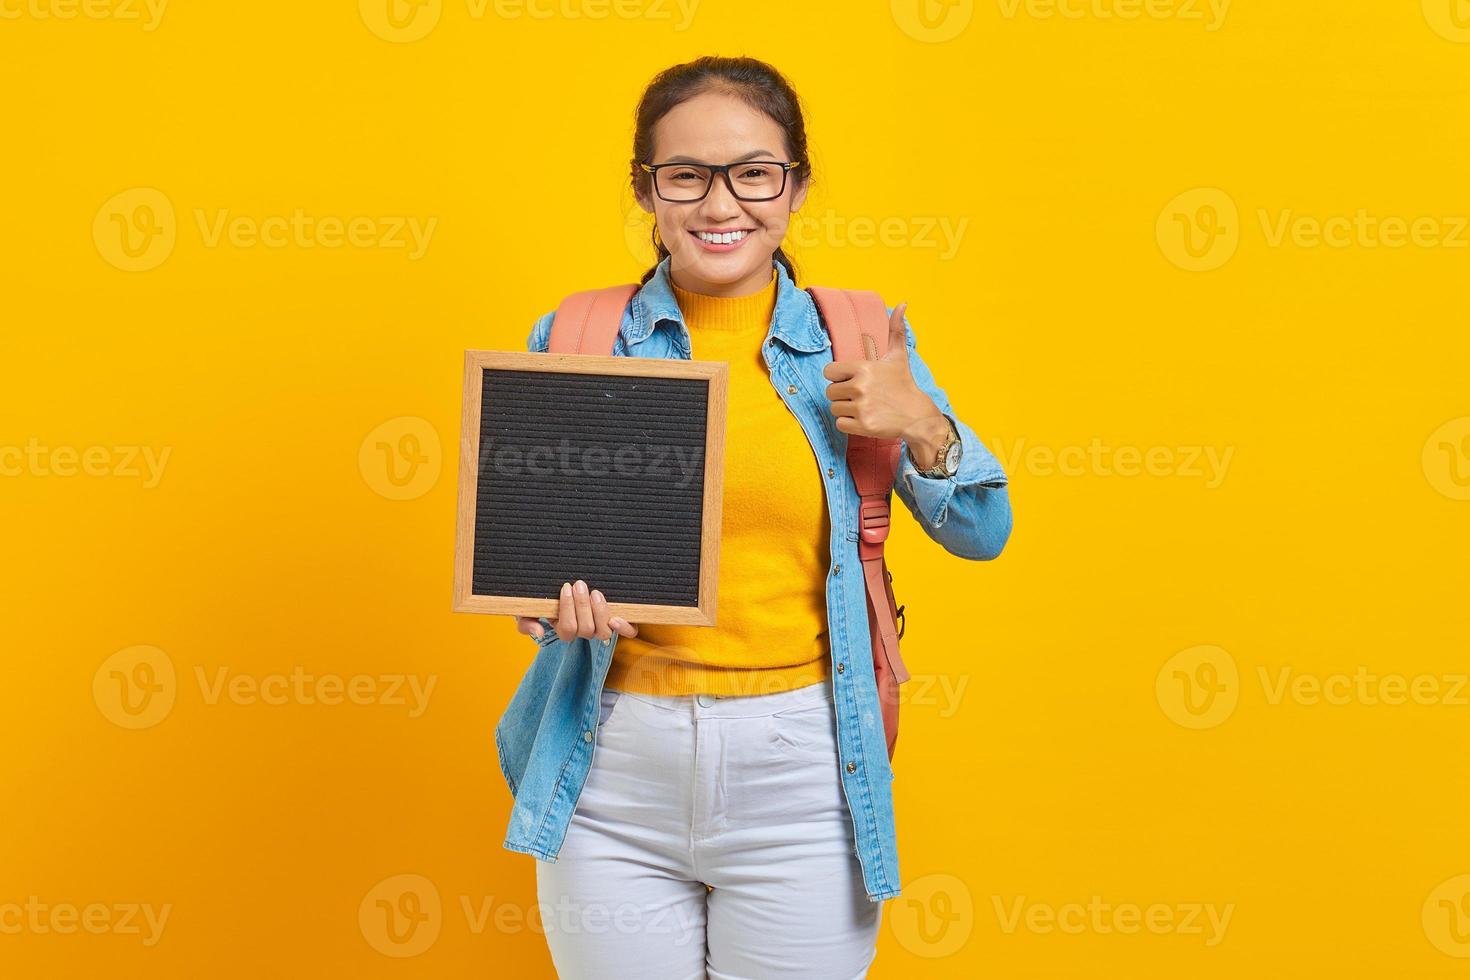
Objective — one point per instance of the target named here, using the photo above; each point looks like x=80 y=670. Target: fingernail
x=566 y=589
x=597 y=594
x=581 y=587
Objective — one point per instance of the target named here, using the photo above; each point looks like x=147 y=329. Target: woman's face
x=718 y=128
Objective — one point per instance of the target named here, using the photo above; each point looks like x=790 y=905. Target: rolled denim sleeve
x=969 y=514
x=540 y=337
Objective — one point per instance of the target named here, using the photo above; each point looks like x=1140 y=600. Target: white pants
x=739 y=793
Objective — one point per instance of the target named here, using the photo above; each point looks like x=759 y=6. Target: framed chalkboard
x=607 y=469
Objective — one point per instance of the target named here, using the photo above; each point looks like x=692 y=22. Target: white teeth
x=721 y=239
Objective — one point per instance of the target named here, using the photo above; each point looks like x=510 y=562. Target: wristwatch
x=947 y=460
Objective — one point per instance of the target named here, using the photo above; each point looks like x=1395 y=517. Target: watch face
x=952 y=459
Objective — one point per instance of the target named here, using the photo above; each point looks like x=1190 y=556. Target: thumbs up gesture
x=880 y=398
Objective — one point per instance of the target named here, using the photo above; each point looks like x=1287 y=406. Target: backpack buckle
x=874 y=517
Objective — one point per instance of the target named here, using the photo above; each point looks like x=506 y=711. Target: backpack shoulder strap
x=857 y=322
x=587 y=322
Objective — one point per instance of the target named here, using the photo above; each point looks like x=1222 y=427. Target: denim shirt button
x=841 y=668
x=831 y=471
x=586 y=736
x=852 y=767
x=836 y=569
x=791 y=389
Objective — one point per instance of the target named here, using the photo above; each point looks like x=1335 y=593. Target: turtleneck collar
x=728 y=313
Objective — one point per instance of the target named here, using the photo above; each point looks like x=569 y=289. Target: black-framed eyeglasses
x=752 y=180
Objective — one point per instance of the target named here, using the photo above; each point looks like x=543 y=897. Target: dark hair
x=760 y=86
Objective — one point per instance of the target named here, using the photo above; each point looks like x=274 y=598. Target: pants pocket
x=609 y=704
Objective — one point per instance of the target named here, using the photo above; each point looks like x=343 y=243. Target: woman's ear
x=645 y=201
x=798 y=195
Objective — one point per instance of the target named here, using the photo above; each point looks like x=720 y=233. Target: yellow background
x=1068 y=759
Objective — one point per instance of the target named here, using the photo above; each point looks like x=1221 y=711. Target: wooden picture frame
x=476 y=362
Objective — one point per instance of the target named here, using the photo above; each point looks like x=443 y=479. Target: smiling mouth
x=720 y=241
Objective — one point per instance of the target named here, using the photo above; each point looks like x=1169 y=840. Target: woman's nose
x=720 y=201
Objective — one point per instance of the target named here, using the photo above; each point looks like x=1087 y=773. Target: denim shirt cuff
x=978 y=467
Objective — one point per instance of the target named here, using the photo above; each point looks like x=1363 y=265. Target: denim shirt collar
x=794 y=321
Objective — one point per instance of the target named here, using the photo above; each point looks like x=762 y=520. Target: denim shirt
x=547 y=735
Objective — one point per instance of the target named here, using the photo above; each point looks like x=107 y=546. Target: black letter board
x=607 y=469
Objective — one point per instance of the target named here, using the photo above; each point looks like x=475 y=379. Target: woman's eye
x=686 y=175
x=755 y=173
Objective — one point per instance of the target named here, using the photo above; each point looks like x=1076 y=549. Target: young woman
x=736 y=818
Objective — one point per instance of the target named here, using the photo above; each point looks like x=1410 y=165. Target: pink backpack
x=857 y=322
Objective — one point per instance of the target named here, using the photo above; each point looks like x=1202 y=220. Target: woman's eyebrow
x=752 y=155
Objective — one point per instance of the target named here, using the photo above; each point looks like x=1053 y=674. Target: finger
x=600 y=614
x=530 y=626
x=583 y=602
x=840 y=370
x=841 y=391
x=623 y=627
x=897 y=334
x=843 y=408
x=566 y=619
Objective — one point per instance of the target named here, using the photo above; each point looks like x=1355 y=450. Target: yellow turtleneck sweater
x=774 y=534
